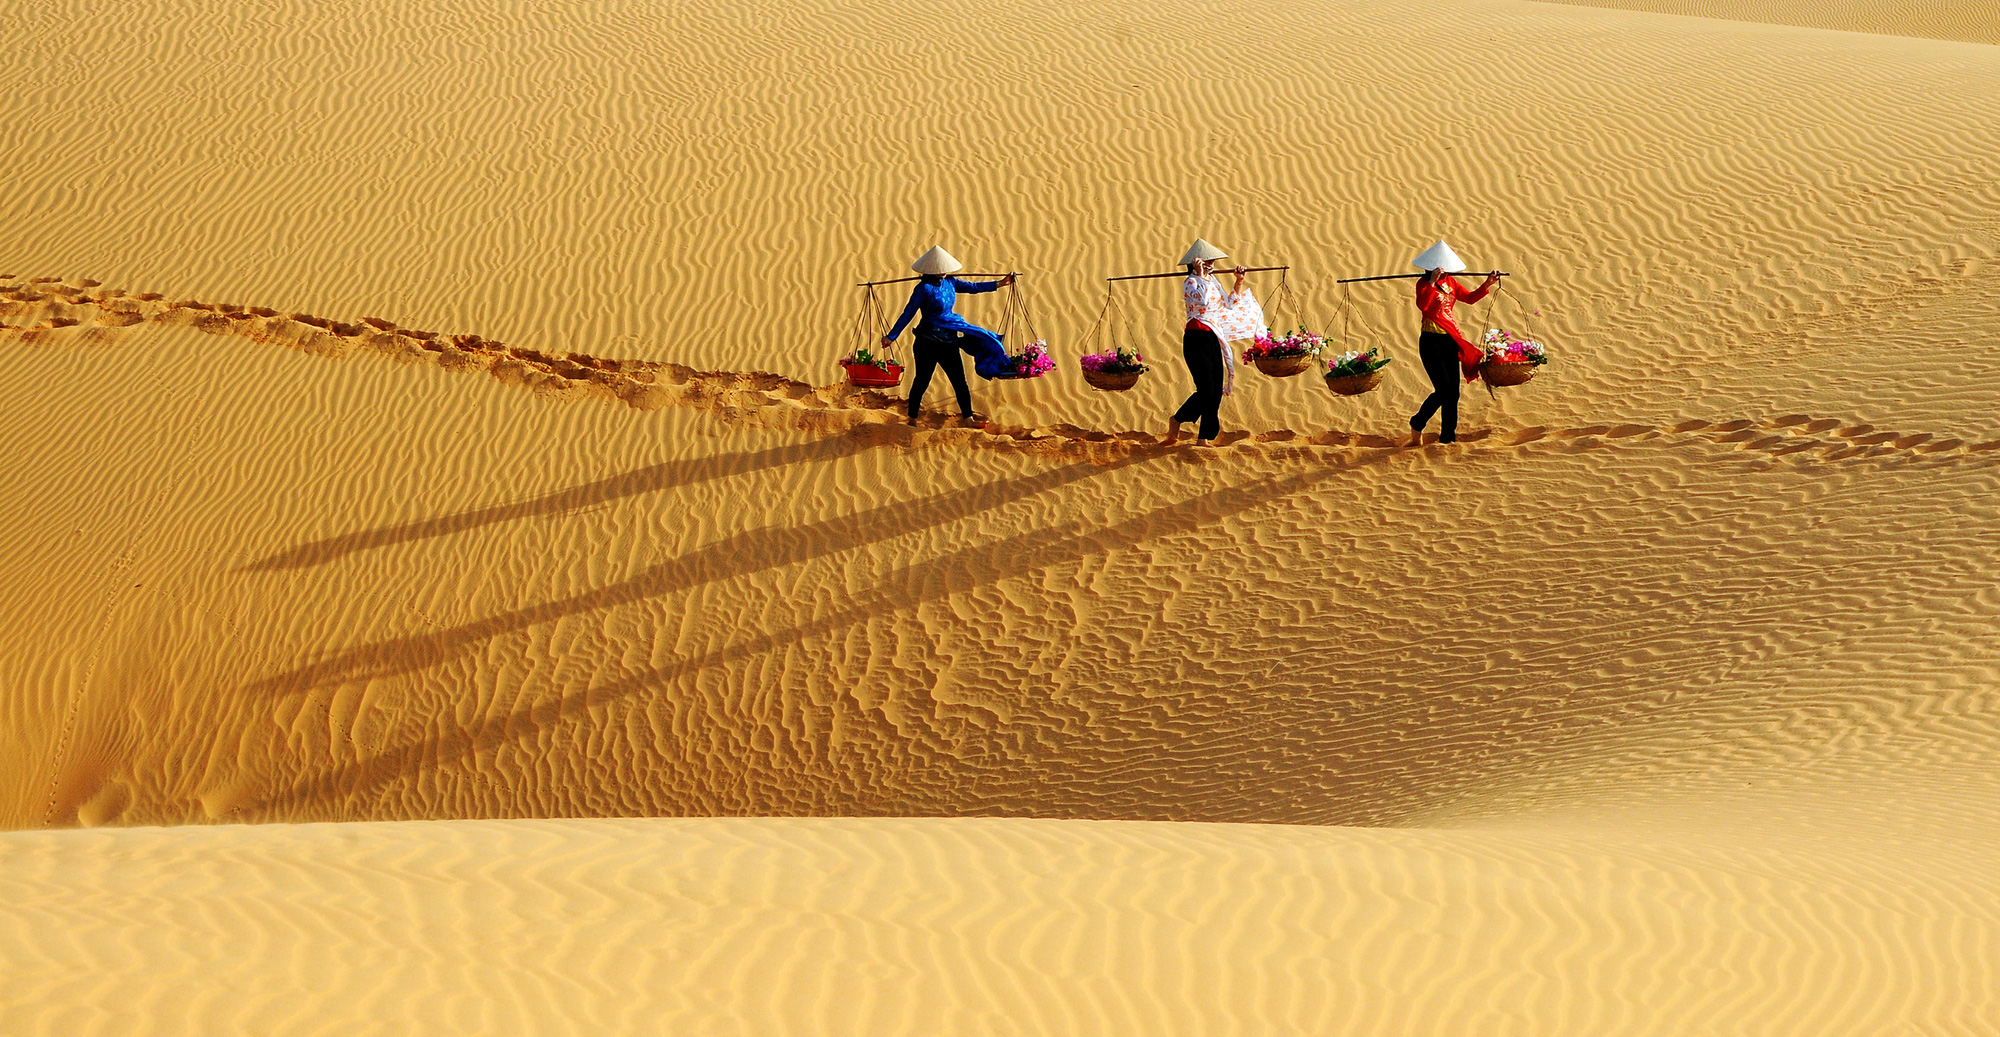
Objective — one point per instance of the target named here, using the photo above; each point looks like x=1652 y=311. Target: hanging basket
x=872 y=376
x=1283 y=366
x=1354 y=384
x=1024 y=365
x=1111 y=381
x=1506 y=372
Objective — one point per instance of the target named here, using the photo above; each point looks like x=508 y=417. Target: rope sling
x=1521 y=314
x=1503 y=375
x=1103 y=331
x=883 y=369
x=1111 y=333
x=1014 y=316
x=871 y=324
x=1110 y=336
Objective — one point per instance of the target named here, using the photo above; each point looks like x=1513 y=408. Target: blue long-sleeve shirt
x=936 y=302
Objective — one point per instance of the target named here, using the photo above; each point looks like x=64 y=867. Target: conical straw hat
x=936 y=262
x=1202 y=250
x=1439 y=257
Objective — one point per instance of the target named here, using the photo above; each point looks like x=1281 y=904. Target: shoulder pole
x=1412 y=277
x=919 y=277
x=1183 y=273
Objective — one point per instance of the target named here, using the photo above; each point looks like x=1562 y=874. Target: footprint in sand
x=649 y=384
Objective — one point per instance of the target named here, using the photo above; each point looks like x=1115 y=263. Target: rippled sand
x=422 y=418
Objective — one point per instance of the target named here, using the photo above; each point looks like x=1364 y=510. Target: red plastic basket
x=869 y=376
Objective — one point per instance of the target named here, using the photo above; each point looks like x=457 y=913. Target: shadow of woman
x=736 y=556
x=651 y=479
x=900 y=590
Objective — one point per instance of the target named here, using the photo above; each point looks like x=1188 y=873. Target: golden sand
x=1969 y=22
x=1665 y=702
x=985 y=926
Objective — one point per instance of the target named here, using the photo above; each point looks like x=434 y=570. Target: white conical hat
x=937 y=261
x=1439 y=257
x=1202 y=250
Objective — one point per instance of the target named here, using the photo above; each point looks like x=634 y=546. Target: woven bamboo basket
x=1506 y=372
x=1283 y=366
x=868 y=376
x=1355 y=384
x=1111 y=381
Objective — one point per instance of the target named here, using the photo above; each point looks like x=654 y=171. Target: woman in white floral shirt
x=1213 y=320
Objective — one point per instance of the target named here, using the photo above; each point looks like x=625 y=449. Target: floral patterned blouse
x=1229 y=316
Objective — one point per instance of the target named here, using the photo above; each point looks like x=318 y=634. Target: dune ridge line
x=52 y=306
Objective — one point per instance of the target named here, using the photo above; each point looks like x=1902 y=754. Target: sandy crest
x=1971 y=23
x=980 y=926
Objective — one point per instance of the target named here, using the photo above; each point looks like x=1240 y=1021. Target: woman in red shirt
x=1445 y=352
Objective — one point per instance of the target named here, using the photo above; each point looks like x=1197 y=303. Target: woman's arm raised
x=1480 y=292
x=976 y=287
x=916 y=299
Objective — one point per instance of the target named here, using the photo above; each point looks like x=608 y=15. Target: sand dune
x=427 y=412
x=322 y=615
x=982 y=926
x=1971 y=23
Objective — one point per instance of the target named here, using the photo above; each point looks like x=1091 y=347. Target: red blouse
x=1435 y=302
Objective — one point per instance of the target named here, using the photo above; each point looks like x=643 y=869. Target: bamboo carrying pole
x=1183 y=273
x=1401 y=277
x=919 y=277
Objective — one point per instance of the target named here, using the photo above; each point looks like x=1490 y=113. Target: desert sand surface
x=1969 y=22
x=422 y=424
x=859 y=926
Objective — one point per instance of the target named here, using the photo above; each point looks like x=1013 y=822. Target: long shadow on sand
x=736 y=556
x=651 y=479
x=900 y=590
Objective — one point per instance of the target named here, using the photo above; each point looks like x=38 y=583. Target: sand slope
x=1972 y=23
x=425 y=411
x=971 y=926
x=320 y=614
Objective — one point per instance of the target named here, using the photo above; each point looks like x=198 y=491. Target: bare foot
x=1173 y=432
x=1204 y=442
x=1417 y=437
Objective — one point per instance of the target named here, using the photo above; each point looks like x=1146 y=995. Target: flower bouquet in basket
x=1352 y=373
x=870 y=369
x=1032 y=362
x=1115 y=370
x=1282 y=356
x=1510 y=359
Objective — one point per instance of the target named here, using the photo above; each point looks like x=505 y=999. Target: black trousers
x=1440 y=356
x=1203 y=352
x=934 y=354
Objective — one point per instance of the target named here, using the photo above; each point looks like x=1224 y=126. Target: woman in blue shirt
x=942 y=333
